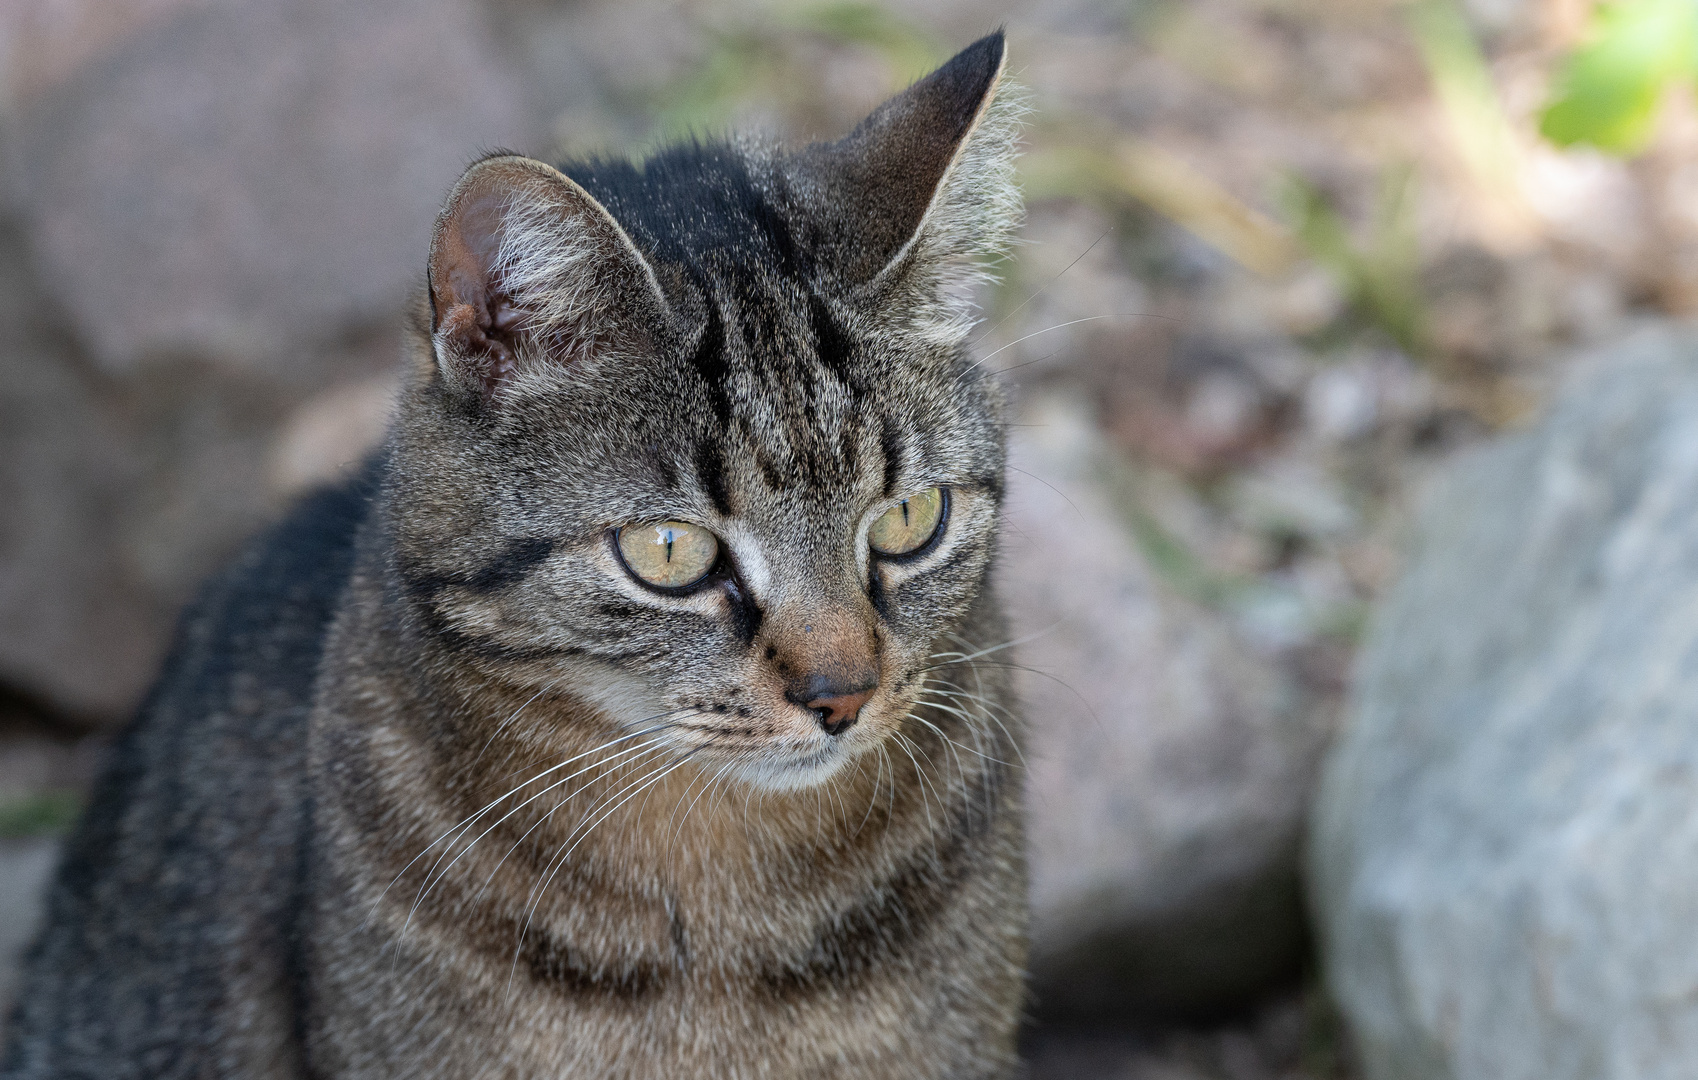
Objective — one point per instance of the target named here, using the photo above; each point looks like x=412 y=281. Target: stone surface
x=1505 y=850
x=1169 y=760
x=119 y=494
x=244 y=175
x=214 y=211
x=25 y=867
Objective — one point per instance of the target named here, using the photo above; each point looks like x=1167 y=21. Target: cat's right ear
x=526 y=269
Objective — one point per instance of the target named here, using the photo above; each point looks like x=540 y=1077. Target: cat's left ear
x=925 y=184
x=526 y=267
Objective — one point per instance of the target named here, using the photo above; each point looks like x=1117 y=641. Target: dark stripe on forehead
x=890 y=441
x=659 y=462
x=831 y=344
x=771 y=471
x=776 y=230
x=849 y=449
x=766 y=333
x=710 y=470
x=710 y=363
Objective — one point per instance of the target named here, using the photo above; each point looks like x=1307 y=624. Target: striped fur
x=541 y=820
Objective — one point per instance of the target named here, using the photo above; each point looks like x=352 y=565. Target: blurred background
x=1284 y=259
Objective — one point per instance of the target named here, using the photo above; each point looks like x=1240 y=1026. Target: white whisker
x=468 y=822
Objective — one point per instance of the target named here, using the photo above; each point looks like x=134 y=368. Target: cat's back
x=168 y=943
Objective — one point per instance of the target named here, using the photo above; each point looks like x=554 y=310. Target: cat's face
x=723 y=468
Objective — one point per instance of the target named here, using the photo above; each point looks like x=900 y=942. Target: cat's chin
x=797 y=773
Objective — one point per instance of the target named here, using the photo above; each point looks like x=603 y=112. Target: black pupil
x=668 y=545
x=904 y=512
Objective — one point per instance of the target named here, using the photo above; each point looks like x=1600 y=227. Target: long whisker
x=964 y=715
x=713 y=807
x=431 y=882
x=945 y=688
x=499 y=728
x=672 y=823
x=541 y=890
x=1009 y=736
x=472 y=819
x=890 y=808
x=937 y=683
x=1042 y=674
x=920 y=775
x=833 y=788
x=872 y=797
x=948 y=743
x=955 y=693
x=469 y=822
x=705 y=788
x=1070 y=322
x=1021 y=306
x=638 y=753
x=958 y=657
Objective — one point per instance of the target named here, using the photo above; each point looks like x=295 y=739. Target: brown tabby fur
x=434 y=788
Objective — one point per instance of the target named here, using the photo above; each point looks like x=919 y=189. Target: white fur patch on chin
x=796 y=773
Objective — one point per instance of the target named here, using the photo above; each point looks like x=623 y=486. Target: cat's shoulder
x=193 y=834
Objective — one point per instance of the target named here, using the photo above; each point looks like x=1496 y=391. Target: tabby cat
x=637 y=714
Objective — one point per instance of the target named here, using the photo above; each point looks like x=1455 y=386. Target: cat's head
x=699 y=440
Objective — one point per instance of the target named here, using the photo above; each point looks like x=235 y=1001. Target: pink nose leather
x=839 y=712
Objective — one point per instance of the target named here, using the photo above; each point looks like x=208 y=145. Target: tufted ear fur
x=526 y=268
x=922 y=192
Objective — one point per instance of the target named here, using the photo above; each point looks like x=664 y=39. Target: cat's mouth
x=795 y=752
x=799 y=772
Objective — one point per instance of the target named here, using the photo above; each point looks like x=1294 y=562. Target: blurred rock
x=248 y=174
x=326 y=438
x=25 y=866
x=1504 y=847
x=1170 y=763
x=121 y=492
x=217 y=209
x=1291 y=1037
x=70 y=633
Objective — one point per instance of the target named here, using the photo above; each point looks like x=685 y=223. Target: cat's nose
x=837 y=705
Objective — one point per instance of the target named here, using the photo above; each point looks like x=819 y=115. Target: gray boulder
x=1505 y=848
x=248 y=174
x=214 y=211
x=1170 y=762
x=25 y=869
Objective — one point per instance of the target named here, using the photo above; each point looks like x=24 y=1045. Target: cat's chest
x=683 y=982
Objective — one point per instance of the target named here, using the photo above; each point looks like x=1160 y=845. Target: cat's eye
x=668 y=555
x=909 y=525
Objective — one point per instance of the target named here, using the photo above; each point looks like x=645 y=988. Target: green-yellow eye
x=670 y=555
x=909 y=524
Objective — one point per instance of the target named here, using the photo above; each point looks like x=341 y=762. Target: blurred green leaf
x=755 y=60
x=1462 y=81
x=1379 y=273
x=1608 y=92
x=1078 y=162
x=45 y=814
x=904 y=44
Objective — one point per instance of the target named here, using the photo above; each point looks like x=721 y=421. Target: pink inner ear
x=478 y=321
x=462 y=266
x=471 y=310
